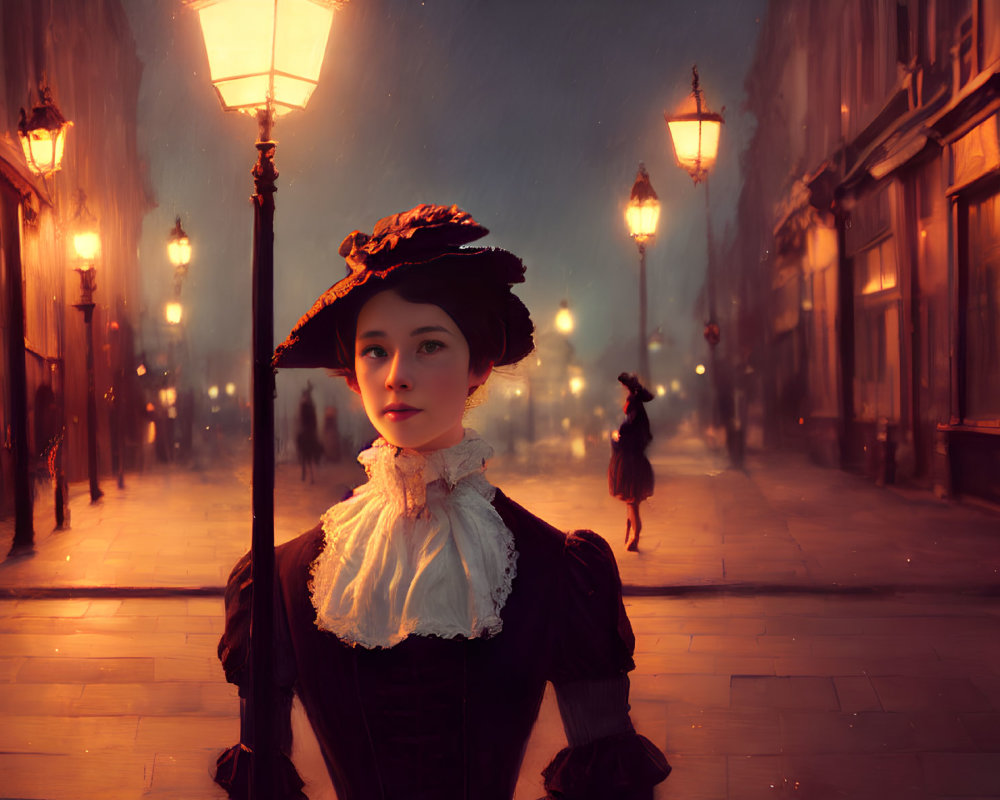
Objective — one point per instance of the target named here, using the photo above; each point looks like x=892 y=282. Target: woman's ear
x=352 y=383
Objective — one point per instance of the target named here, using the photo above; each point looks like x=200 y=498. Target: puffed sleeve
x=606 y=758
x=233 y=765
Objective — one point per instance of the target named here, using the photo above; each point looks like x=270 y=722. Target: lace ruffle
x=419 y=549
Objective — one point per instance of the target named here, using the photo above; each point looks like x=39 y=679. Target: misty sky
x=532 y=116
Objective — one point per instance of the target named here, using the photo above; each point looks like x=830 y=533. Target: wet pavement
x=800 y=633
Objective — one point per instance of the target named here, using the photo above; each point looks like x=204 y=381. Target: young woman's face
x=412 y=367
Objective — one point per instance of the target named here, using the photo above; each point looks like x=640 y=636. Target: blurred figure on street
x=306 y=437
x=630 y=475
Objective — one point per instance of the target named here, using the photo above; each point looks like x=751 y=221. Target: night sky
x=532 y=116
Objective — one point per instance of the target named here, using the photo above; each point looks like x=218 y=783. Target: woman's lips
x=399 y=414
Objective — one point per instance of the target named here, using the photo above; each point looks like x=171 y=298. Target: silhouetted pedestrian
x=630 y=475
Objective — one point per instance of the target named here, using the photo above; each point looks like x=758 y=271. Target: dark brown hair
x=493 y=320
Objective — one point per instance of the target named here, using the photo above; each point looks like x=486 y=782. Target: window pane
x=982 y=311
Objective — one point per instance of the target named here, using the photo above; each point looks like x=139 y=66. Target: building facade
x=867 y=255
x=85 y=54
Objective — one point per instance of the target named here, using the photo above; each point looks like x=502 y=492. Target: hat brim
x=312 y=343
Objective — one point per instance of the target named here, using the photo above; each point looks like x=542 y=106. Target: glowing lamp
x=265 y=53
x=174 y=313
x=700 y=369
x=564 y=318
x=213 y=392
x=43 y=135
x=695 y=133
x=643 y=209
x=87 y=246
x=230 y=389
x=576 y=385
x=179 y=247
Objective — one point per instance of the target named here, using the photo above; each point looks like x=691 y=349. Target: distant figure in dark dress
x=630 y=475
x=307 y=438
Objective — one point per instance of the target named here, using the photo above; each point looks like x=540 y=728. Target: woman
x=420 y=620
x=630 y=475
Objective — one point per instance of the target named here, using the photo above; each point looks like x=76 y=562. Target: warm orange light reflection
x=261 y=49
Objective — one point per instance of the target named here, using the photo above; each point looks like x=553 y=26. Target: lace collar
x=418 y=549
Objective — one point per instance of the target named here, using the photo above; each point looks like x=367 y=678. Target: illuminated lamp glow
x=43 y=136
x=700 y=369
x=642 y=213
x=263 y=52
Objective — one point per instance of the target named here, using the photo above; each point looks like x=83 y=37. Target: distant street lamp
x=641 y=214
x=87 y=246
x=179 y=253
x=265 y=58
x=695 y=133
x=173 y=313
x=564 y=319
x=43 y=135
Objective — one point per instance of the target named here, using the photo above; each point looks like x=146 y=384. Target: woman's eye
x=431 y=346
x=373 y=351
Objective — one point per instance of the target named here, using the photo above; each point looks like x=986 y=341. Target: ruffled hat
x=425 y=236
x=635 y=388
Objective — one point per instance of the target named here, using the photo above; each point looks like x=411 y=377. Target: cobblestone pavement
x=811 y=636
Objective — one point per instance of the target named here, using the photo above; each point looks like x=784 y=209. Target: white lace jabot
x=418 y=549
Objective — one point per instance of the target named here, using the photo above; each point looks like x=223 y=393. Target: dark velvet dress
x=630 y=475
x=448 y=719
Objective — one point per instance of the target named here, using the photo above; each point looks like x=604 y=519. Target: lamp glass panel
x=243 y=94
x=42 y=150
x=290 y=94
x=642 y=218
x=87 y=245
x=238 y=36
x=303 y=28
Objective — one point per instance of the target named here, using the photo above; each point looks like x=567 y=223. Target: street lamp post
x=42 y=137
x=695 y=133
x=179 y=253
x=264 y=58
x=641 y=214
x=87 y=245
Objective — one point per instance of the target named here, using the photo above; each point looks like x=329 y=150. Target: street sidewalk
x=799 y=632
x=782 y=524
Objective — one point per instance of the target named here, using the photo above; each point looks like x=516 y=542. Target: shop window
x=875 y=268
x=981 y=306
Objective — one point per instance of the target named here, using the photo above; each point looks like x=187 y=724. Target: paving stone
x=187 y=773
x=806 y=692
x=720 y=731
x=53 y=699
x=694 y=778
x=858 y=777
x=984 y=730
x=962 y=773
x=871 y=732
x=904 y=693
x=165 y=733
x=65 y=735
x=188 y=667
x=162 y=699
x=85 y=670
x=856 y=693
x=700 y=690
x=115 y=775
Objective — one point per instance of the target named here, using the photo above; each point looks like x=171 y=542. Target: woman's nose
x=398 y=376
